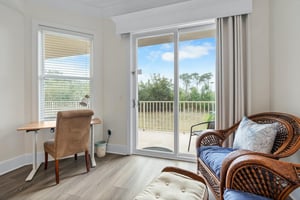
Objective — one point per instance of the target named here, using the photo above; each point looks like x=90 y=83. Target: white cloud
x=166 y=46
x=153 y=55
x=189 y=52
x=168 y=56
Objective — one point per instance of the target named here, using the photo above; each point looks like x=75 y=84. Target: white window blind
x=64 y=72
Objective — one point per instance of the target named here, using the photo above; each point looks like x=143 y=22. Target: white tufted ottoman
x=175 y=184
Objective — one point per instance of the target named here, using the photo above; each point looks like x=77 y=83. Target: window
x=64 y=70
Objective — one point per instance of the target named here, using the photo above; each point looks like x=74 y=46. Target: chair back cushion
x=255 y=137
x=72 y=132
x=287 y=140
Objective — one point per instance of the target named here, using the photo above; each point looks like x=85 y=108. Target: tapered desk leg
x=35 y=165
x=92 y=147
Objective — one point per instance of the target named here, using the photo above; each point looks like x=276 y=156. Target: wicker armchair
x=286 y=143
x=261 y=176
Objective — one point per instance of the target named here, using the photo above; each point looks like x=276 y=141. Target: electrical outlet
x=109 y=132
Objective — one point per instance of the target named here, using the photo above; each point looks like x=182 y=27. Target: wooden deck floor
x=148 y=138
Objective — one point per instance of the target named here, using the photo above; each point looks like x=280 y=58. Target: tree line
x=193 y=87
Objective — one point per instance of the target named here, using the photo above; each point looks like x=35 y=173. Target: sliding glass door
x=173 y=88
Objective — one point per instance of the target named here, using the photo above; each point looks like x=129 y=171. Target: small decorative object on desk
x=85 y=100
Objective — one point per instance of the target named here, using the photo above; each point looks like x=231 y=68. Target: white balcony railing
x=52 y=107
x=152 y=115
x=159 y=115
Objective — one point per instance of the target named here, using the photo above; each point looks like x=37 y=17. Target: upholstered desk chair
x=71 y=137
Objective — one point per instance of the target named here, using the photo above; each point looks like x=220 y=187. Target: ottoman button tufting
x=175 y=183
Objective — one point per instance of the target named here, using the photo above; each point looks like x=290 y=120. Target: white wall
x=19 y=74
x=186 y=12
x=260 y=67
x=285 y=55
x=275 y=45
x=116 y=87
x=285 y=60
x=11 y=82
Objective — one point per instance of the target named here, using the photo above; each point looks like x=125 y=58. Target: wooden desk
x=36 y=126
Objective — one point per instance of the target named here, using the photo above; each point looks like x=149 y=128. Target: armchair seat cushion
x=213 y=156
x=238 y=195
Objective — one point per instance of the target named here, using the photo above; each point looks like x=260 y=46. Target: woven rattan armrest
x=215 y=137
x=231 y=157
x=210 y=137
x=263 y=176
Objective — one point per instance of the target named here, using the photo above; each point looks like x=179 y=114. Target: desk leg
x=35 y=165
x=92 y=147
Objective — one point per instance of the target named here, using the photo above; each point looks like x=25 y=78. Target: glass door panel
x=155 y=114
x=197 y=55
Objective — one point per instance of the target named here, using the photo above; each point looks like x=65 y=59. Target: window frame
x=41 y=67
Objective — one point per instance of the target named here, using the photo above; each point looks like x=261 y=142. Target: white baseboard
x=19 y=161
x=117 y=149
x=26 y=159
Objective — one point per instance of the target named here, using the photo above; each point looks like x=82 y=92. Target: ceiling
x=103 y=8
x=97 y=8
x=110 y=8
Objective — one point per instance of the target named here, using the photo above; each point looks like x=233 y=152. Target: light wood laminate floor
x=115 y=177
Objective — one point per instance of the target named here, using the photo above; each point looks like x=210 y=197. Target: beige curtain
x=231 y=75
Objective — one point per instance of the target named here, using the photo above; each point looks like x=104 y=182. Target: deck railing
x=159 y=115
x=52 y=107
x=152 y=115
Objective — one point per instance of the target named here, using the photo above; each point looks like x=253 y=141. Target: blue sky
x=195 y=56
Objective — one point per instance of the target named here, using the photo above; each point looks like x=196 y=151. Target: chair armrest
x=230 y=158
x=215 y=137
x=199 y=124
x=210 y=137
x=185 y=173
x=263 y=176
